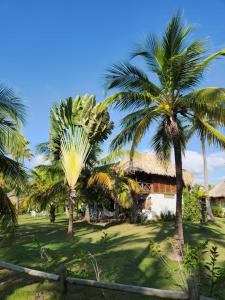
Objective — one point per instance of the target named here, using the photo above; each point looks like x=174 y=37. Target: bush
x=167 y=216
x=143 y=219
x=192 y=209
x=218 y=211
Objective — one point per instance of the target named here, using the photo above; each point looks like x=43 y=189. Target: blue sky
x=54 y=49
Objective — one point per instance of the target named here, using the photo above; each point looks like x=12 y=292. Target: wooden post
x=62 y=279
x=193 y=293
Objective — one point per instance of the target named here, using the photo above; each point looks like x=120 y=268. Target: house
x=157 y=182
x=217 y=194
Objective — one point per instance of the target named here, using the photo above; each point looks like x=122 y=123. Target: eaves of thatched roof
x=218 y=191
x=150 y=164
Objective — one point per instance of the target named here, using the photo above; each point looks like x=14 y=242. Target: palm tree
x=211 y=136
x=206 y=182
x=121 y=188
x=78 y=127
x=170 y=103
x=117 y=185
x=47 y=188
x=75 y=147
x=12 y=113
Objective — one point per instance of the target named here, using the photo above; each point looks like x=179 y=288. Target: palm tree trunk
x=70 y=209
x=179 y=235
x=206 y=184
x=17 y=206
x=87 y=217
x=52 y=213
x=134 y=210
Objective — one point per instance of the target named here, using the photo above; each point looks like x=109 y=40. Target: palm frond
x=43 y=148
x=74 y=151
x=129 y=100
x=12 y=170
x=103 y=179
x=114 y=156
x=129 y=77
x=11 y=105
x=7 y=212
x=214 y=136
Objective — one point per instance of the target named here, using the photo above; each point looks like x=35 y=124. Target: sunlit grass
x=124 y=258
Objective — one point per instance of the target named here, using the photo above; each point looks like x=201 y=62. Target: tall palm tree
x=171 y=104
x=12 y=114
x=206 y=181
x=206 y=136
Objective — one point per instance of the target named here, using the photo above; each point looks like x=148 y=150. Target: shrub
x=205 y=268
x=218 y=211
x=192 y=209
x=105 y=238
x=167 y=216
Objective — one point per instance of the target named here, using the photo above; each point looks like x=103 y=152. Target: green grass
x=125 y=258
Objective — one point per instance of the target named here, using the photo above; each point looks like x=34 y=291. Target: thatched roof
x=218 y=190
x=150 y=164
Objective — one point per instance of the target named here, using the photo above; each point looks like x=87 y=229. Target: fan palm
x=170 y=104
x=12 y=113
x=80 y=111
x=74 y=151
x=78 y=126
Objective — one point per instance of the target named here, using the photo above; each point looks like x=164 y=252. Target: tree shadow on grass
x=123 y=258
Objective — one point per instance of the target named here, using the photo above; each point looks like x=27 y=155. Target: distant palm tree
x=46 y=188
x=171 y=104
x=212 y=139
x=12 y=143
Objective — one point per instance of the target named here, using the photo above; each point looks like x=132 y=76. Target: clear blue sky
x=52 y=49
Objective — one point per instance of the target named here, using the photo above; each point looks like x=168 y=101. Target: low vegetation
x=122 y=252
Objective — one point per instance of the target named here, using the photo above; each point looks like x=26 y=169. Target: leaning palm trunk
x=179 y=235
x=206 y=185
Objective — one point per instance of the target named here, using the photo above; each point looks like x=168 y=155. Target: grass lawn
x=124 y=258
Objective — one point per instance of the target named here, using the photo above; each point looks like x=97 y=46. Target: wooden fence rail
x=166 y=294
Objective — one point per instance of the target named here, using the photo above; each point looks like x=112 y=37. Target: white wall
x=161 y=204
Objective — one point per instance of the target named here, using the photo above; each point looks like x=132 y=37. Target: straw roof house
x=218 y=191
x=148 y=163
x=157 y=183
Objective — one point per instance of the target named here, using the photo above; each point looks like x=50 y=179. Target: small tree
x=74 y=152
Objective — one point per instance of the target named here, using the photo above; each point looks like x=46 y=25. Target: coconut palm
x=206 y=136
x=120 y=187
x=12 y=113
x=47 y=188
x=206 y=182
x=170 y=103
